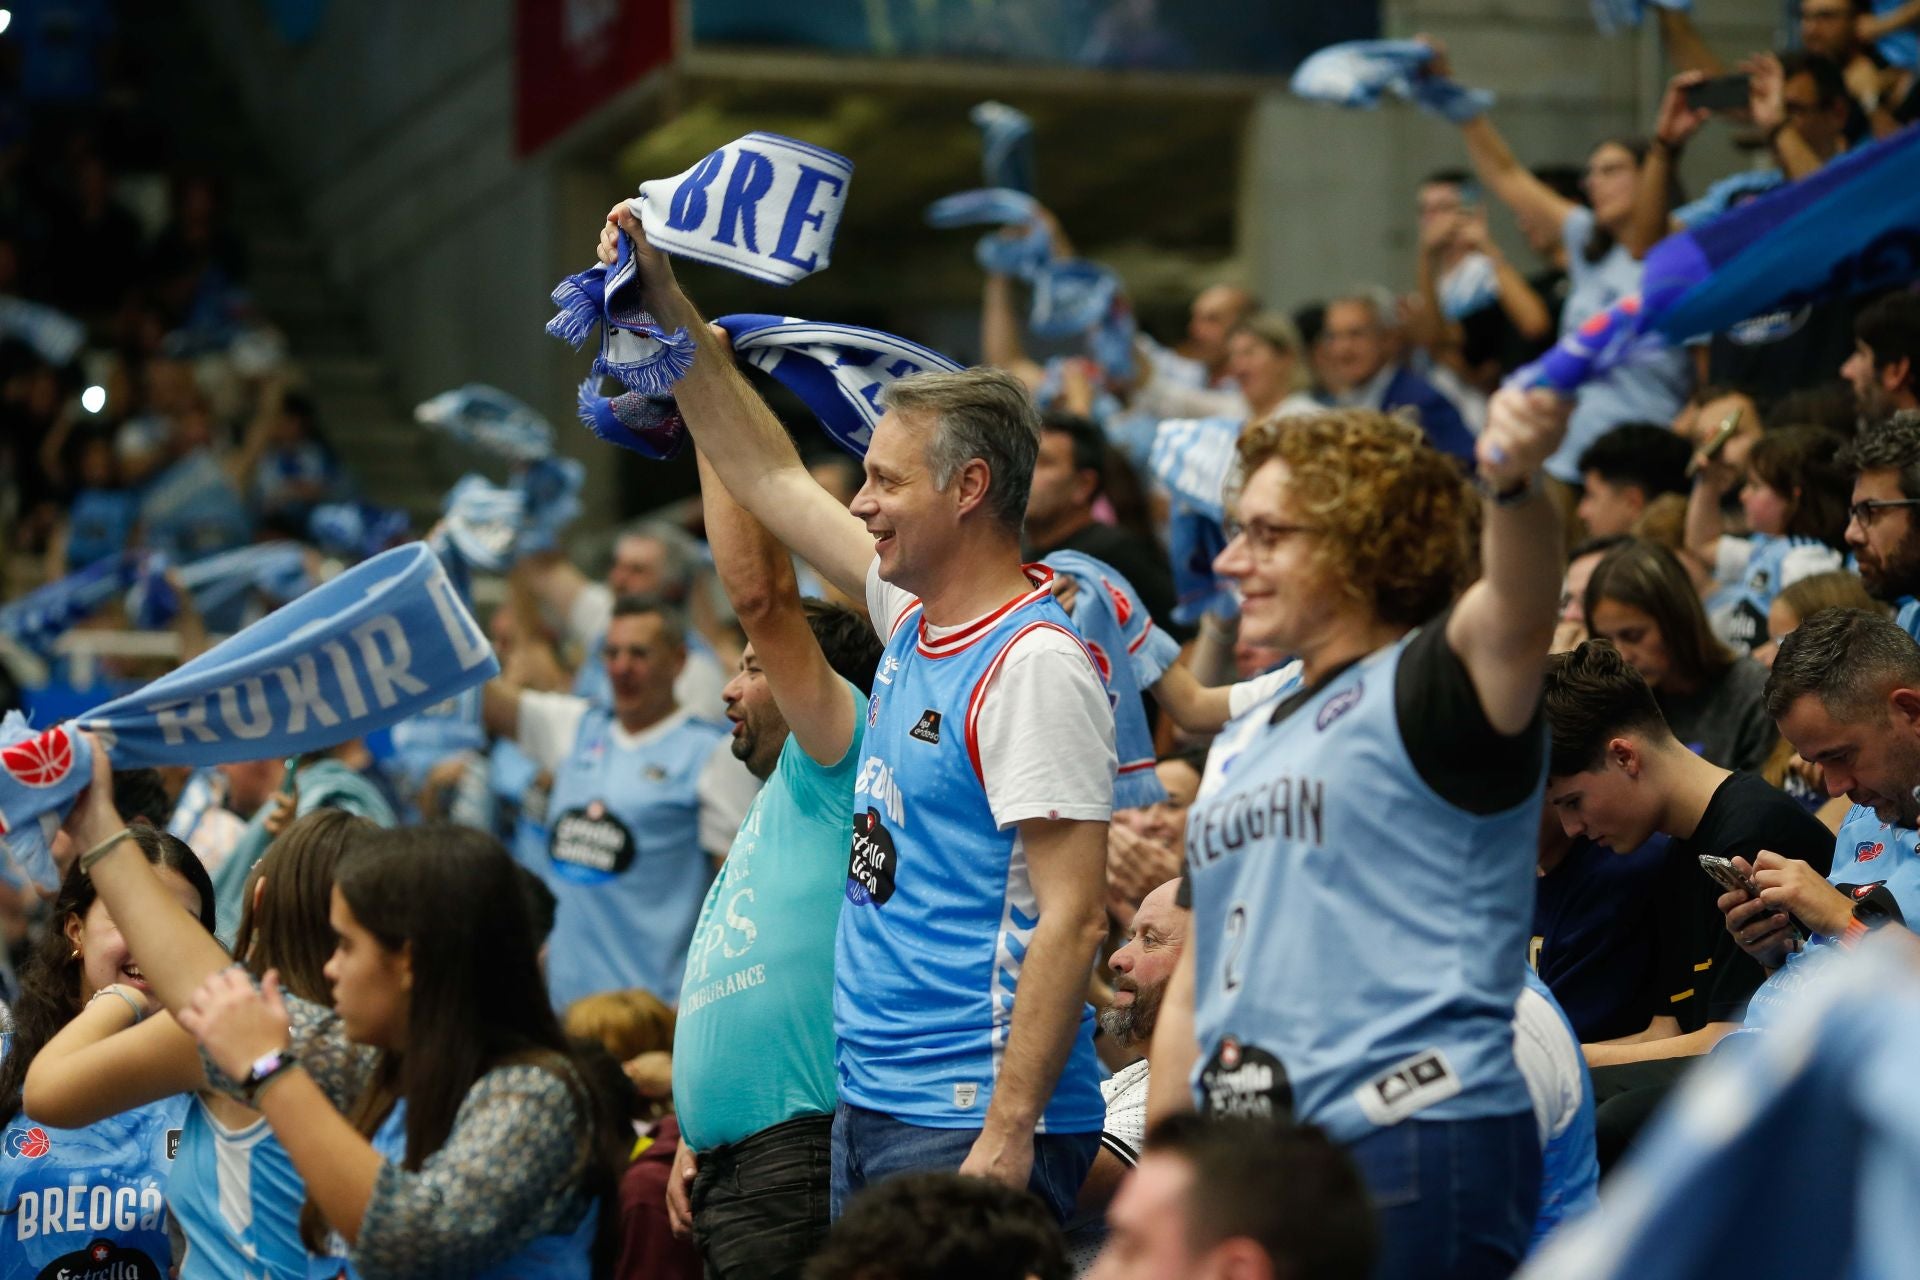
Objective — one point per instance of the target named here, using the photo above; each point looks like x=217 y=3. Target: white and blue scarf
x=1023 y=256
x=219 y=584
x=1006 y=146
x=356 y=530
x=490 y=419
x=1194 y=458
x=1132 y=654
x=384 y=640
x=764 y=205
x=1358 y=73
x=39 y=618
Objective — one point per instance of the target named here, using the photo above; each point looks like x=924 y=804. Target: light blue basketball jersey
x=237 y=1199
x=1359 y=941
x=563 y=1256
x=75 y=1202
x=1570 y=1161
x=1907 y=615
x=519 y=809
x=624 y=858
x=1752 y=596
x=939 y=908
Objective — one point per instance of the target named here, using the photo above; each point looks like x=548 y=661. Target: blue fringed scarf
x=634 y=350
x=384 y=640
x=1132 y=654
x=1357 y=73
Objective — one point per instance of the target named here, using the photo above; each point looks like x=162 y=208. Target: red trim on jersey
x=902 y=617
x=1138 y=765
x=986 y=678
x=967 y=636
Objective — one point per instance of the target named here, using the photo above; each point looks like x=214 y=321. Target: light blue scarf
x=1006 y=146
x=1131 y=653
x=384 y=640
x=356 y=530
x=490 y=419
x=1023 y=256
x=39 y=618
x=1358 y=73
x=1194 y=459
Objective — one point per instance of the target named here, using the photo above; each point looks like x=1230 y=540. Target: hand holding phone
x=1721 y=93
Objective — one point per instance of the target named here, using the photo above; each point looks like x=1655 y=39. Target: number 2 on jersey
x=1236 y=940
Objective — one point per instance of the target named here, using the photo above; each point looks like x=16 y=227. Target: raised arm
x=1195 y=689
x=1704 y=521
x=757 y=573
x=1652 y=196
x=1526 y=310
x=1686 y=47
x=1503 y=625
x=746 y=445
x=1766 y=99
x=175 y=953
x=101 y=1064
x=1493 y=161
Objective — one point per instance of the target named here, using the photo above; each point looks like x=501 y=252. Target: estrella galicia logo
x=173 y=1144
x=590 y=845
x=1338 y=705
x=102 y=1260
x=1868 y=850
x=928 y=730
x=872 y=863
x=1244 y=1080
x=28 y=1144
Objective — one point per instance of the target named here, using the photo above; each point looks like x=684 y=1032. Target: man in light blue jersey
x=1883 y=528
x=1845 y=688
x=753 y=1048
x=624 y=852
x=980 y=806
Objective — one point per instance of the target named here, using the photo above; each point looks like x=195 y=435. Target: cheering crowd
x=1311 y=797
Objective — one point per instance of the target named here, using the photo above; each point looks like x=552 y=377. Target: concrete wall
x=1327 y=194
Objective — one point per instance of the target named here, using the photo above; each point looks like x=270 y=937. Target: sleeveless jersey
x=237 y=1199
x=939 y=908
x=624 y=859
x=1359 y=941
x=566 y=1256
x=88 y=1202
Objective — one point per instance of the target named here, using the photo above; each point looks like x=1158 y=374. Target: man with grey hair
x=978 y=863
x=1882 y=529
x=1363 y=370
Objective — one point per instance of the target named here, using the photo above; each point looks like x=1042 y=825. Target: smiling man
x=1618 y=776
x=976 y=882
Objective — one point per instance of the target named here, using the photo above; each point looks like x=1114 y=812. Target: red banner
x=570 y=56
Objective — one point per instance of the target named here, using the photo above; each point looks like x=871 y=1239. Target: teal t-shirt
x=754 y=1043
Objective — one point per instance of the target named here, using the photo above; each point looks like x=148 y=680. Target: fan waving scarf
x=1131 y=653
x=1358 y=73
x=1852 y=226
x=488 y=418
x=384 y=640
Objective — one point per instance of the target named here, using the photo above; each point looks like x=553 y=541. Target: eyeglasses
x=1863 y=513
x=1263 y=537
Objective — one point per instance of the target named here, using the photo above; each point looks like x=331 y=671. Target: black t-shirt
x=1141 y=562
x=1700 y=974
x=1592 y=918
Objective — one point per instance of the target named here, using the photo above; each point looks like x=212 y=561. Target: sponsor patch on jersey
x=590 y=845
x=928 y=729
x=1245 y=1080
x=1868 y=850
x=654 y=773
x=872 y=863
x=102 y=1260
x=173 y=1144
x=1338 y=705
x=965 y=1095
x=1408 y=1087
x=28 y=1144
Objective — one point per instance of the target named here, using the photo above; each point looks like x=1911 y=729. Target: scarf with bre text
x=1131 y=654
x=765 y=205
x=388 y=638
x=1358 y=73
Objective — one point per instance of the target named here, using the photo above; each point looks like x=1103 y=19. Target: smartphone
x=1721 y=93
x=1728 y=426
x=1728 y=876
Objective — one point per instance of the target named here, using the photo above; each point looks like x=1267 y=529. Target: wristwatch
x=266 y=1067
x=1877 y=909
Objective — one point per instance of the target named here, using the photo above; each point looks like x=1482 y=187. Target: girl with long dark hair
x=467 y=1142
x=233 y=1192
x=90 y=1197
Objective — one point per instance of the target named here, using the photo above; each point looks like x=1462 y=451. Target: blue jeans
x=1454 y=1199
x=869 y=1146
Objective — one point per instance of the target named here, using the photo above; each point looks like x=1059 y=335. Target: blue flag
x=384 y=640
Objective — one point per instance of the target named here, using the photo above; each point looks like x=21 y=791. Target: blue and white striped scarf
x=1358 y=73
x=42 y=616
x=634 y=350
x=1006 y=146
x=1023 y=256
x=384 y=640
x=488 y=418
x=356 y=530
x=220 y=584
x=764 y=205
x=1132 y=654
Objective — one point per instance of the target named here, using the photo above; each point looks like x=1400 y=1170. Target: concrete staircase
x=392 y=461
